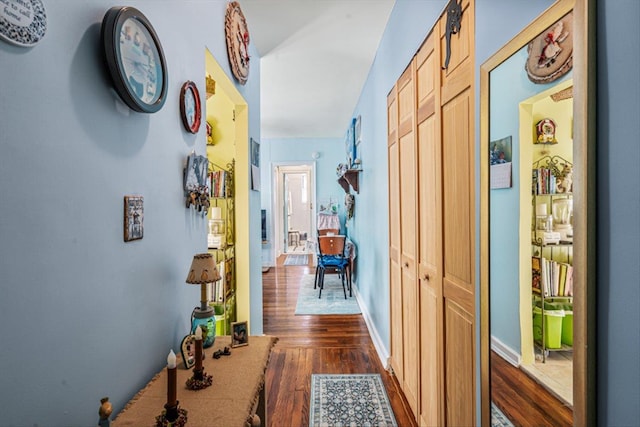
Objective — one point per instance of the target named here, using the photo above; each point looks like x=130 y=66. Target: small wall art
x=240 y=335
x=133 y=218
x=255 y=165
x=500 y=161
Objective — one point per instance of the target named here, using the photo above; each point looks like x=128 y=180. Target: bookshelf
x=552 y=250
x=221 y=244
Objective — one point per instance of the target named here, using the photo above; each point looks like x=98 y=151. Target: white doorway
x=294 y=207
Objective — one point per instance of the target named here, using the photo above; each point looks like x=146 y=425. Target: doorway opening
x=294 y=208
x=547 y=309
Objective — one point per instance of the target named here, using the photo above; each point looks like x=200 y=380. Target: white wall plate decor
x=22 y=22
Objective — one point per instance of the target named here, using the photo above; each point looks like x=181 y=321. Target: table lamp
x=203 y=270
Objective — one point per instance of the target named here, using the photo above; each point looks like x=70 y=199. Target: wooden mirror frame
x=584 y=155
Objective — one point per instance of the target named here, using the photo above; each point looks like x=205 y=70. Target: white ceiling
x=315 y=58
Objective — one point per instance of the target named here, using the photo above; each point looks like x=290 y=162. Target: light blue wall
x=82 y=314
x=289 y=150
x=408 y=26
x=505 y=203
x=618 y=198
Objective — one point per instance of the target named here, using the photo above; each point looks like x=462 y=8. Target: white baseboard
x=383 y=353
x=506 y=352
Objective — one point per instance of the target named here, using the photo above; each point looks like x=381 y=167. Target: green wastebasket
x=552 y=327
x=567 y=325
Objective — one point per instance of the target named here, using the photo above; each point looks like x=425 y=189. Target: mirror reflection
x=531 y=210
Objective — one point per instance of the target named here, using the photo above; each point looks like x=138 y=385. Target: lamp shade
x=203 y=270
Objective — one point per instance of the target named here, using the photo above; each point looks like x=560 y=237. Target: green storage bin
x=220 y=322
x=567 y=328
x=552 y=327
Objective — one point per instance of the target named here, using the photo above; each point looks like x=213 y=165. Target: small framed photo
x=133 y=218
x=240 y=334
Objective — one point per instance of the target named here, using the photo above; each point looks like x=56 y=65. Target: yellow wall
x=233 y=144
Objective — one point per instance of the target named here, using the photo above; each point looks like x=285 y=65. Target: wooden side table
x=238 y=390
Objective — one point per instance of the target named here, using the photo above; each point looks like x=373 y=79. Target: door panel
x=429 y=235
x=395 y=273
x=408 y=244
x=459 y=371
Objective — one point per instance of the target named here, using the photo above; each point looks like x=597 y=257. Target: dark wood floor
x=524 y=401
x=328 y=344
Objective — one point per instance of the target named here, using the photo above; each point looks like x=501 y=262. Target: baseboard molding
x=383 y=353
x=506 y=352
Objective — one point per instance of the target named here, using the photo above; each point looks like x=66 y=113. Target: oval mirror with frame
x=510 y=106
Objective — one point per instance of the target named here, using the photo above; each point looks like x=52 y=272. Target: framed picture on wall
x=255 y=165
x=133 y=218
x=349 y=144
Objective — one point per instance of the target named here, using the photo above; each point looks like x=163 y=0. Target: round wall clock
x=190 y=107
x=237 y=34
x=550 y=55
x=22 y=22
x=135 y=59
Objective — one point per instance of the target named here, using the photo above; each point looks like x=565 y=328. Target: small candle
x=172 y=399
x=198 y=349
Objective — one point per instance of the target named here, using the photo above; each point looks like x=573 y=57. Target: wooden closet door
x=430 y=232
x=395 y=270
x=408 y=232
x=458 y=176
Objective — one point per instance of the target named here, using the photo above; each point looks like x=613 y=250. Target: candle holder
x=172 y=416
x=200 y=379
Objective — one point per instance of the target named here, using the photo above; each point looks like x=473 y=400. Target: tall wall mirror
x=537 y=298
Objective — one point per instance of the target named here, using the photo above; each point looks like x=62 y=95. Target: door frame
x=279 y=169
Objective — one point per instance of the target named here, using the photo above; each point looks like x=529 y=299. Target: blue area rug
x=498 y=419
x=349 y=400
x=296 y=260
x=332 y=301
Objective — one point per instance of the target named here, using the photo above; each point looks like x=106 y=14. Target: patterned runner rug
x=498 y=419
x=349 y=400
x=296 y=260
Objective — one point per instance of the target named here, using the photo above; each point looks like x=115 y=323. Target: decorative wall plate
x=188 y=350
x=22 y=22
x=551 y=53
x=190 y=109
x=237 y=33
x=135 y=59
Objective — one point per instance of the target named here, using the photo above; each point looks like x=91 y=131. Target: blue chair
x=331 y=255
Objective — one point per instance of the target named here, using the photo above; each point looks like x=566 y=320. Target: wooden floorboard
x=327 y=344
x=523 y=400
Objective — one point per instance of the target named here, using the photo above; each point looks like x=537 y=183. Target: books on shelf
x=543 y=181
x=551 y=278
x=218 y=183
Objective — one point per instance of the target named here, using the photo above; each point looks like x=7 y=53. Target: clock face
x=135 y=59
x=237 y=34
x=190 y=107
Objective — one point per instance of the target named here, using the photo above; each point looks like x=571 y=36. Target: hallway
x=331 y=344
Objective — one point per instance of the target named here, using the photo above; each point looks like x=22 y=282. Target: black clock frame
x=110 y=37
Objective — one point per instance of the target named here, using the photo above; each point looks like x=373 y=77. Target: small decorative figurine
x=104 y=412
